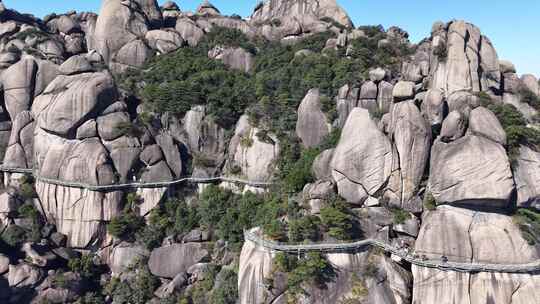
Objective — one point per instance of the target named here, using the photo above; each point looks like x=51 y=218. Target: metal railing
x=471 y=267
x=134 y=185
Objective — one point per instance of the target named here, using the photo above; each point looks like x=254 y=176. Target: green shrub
x=441 y=51
x=312 y=269
x=91 y=298
x=305 y=228
x=528 y=222
x=515 y=126
x=246 y=141
x=139 y=289
x=59 y=280
x=337 y=221
x=126 y=225
x=27 y=191
x=359 y=291
x=275 y=230
x=176 y=82
x=429 y=202
x=296 y=174
x=400 y=216
x=331 y=140
x=200 y=160
x=29 y=211
x=227 y=37
x=130 y=128
x=529 y=98
x=200 y=293
x=328 y=106
x=84 y=266
x=14 y=236
x=227 y=292
x=283 y=262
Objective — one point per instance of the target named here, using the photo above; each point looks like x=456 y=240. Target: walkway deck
x=404 y=255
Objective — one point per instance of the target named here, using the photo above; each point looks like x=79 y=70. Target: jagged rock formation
x=63 y=116
x=362 y=161
x=312 y=126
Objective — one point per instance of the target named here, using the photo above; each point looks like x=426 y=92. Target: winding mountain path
x=401 y=253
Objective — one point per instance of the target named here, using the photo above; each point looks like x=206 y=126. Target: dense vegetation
x=279 y=81
x=528 y=222
x=518 y=132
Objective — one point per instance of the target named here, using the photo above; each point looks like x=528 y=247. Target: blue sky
x=513 y=26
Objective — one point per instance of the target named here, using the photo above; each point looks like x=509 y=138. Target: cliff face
x=435 y=150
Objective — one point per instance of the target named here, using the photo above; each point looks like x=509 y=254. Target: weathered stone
x=385 y=96
x=527 y=178
x=279 y=9
x=8 y=58
x=116 y=26
x=171 y=152
x=125 y=255
x=235 y=58
x=463 y=102
x=433 y=106
x=347 y=99
x=124 y=153
x=118 y=106
x=172 y=260
x=52 y=49
x=112 y=126
x=312 y=126
x=410 y=227
x=362 y=161
x=491 y=238
x=531 y=83
x=453 y=127
x=376 y=75
x=321 y=165
x=255 y=266
x=203 y=136
x=87 y=130
x=507 y=67
x=9 y=203
x=159 y=172
x=151 y=155
x=368 y=90
x=38 y=255
x=412 y=138
x=403 y=90
x=173 y=286
x=134 y=54
x=24 y=275
x=483 y=122
x=528 y=112
x=18 y=82
x=512 y=83
x=207 y=9
x=189 y=31
x=66 y=25
x=75 y=65
x=195 y=235
x=4 y=264
x=69 y=100
x=472 y=171
x=252 y=152
x=164 y=41
x=470 y=64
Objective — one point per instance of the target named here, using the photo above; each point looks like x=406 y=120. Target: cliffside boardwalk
x=134 y=185
x=404 y=255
